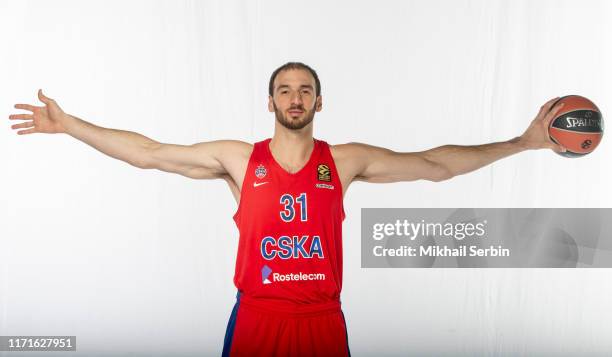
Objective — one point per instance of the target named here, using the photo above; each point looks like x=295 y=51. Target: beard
x=291 y=123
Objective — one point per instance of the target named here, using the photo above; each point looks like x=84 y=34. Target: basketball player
x=289 y=190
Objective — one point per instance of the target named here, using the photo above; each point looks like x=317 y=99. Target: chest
x=274 y=197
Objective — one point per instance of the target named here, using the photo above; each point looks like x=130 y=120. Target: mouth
x=296 y=112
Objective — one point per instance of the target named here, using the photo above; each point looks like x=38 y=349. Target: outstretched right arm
x=208 y=160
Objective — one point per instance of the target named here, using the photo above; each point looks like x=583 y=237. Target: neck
x=292 y=148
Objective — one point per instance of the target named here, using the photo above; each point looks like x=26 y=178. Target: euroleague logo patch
x=323 y=173
x=586 y=144
x=260 y=171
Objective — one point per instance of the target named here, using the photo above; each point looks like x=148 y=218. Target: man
x=289 y=191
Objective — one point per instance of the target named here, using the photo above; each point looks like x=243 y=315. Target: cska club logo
x=260 y=171
x=323 y=173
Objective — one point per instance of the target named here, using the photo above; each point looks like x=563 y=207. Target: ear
x=319 y=104
x=270 y=104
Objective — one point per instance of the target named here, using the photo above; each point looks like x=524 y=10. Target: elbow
x=141 y=163
x=144 y=165
x=436 y=171
x=145 y=158
x=441 y=173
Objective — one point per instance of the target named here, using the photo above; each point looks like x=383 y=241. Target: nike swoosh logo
x=255 y=184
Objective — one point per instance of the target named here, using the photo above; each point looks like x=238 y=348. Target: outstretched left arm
x=362 y=162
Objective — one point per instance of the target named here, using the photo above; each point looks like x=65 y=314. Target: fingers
x=546 y=107
x=28 y=124
x=28 y=131
x=31 y=108
x=550 y=103
x=557 y=148
x=552 y=144
x=21 y=117
x=43 y=98
x=552 y=113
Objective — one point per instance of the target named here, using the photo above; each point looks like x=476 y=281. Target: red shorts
x=256 y=329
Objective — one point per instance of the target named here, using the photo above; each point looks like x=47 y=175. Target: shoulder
x=350 y=158
x=233 y=148
x=344 y=149
x=236 y=144
x=241 y=146
x=353 y=150
x=357 y=157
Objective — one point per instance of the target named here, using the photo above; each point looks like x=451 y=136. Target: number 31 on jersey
x=291 y=204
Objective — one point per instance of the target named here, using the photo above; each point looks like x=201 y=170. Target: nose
x=296 y=98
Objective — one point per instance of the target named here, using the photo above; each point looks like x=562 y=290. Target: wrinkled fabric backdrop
x=140 y=262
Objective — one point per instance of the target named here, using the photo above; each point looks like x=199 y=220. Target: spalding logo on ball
x=579 y=127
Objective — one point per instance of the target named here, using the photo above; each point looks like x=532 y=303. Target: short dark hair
x=294 y=65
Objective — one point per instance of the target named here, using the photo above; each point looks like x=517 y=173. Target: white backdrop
x=137 y=262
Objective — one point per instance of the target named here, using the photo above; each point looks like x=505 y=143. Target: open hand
x=45 y=119
x=536 y=136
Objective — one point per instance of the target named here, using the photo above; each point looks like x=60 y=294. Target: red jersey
x=289 y=264
x=290 y=247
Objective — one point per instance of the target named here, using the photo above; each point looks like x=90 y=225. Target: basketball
x=578 y=127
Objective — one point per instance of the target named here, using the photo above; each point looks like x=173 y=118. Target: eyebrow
x=302 y=86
